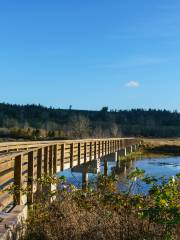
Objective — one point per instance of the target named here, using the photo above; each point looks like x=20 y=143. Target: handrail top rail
x=50 y=143
x=4 y=144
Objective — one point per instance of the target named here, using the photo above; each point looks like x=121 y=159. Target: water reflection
x=155 y=166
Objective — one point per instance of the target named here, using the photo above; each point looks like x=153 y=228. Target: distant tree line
x=39 y=122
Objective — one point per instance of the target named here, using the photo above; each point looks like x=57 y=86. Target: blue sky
x=118 y=53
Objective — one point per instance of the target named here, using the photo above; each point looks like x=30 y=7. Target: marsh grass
x=104 y=213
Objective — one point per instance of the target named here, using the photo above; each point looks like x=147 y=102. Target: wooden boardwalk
x=20 y=162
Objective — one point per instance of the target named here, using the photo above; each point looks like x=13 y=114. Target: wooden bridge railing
x=23 y=168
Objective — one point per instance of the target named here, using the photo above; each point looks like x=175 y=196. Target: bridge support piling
x=84 y=178
x=98 y=163
x=125 y=170
x=105 y=167
x=118 y=165
x=116 y=156
x=131 y=149
x=131 y=163
x=125 y=151
x=135 y=147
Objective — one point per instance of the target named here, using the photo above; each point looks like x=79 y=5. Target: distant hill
x=39 y=122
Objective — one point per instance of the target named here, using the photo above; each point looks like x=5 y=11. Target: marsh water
x=153 y=165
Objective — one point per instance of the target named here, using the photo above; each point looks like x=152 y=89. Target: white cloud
x=133 y=84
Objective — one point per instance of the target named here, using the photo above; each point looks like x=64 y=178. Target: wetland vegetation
x=107 y=212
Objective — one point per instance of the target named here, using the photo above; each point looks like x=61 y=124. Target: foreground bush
x=104 y=213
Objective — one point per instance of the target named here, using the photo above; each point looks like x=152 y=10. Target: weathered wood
x=46 y=160
x=79 y=153
x=50 y=160
x=5 y=200
x=39 y=163
x=71 y=155
x=6 y=177
x=55 y=159
x=105 y=167
x=99 y=149
x=4 y=166
x=30 y=177
x=95 y=150
x=102 y=148
x=18 y=180
x=84 y=179
x=85 y=152
x=105 y=148
x=90 y=151
x=19 y=167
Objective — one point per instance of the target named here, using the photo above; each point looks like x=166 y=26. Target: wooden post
x=39 y=163
x=39 y=168
x=18 y=179
x=116 y=156
x=71 y=155
x=95 y=150
x=50 y=161
x=84 y=179
x=109 y=147
x=119 y=145
x=125 y=170
x=118 y=164
x=85 y=152
x=135 y=147
x=105 y=168
x=102 y=148
x=30 y=178
x=55 y=159
x=79 y=153
x=62 y=156
x=106 y=152
x=125 y=151
x=99 y=149
x=46 y=160
x=90 y=151
x=131 y=148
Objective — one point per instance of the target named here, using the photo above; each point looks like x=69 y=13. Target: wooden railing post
x=46 y=160
x=99 y=149
x=106 y=148
x=62 y=156
x=105 y=168
x=102 y=148
x=79 y=153
x=39 y=163
x=30 y=178
x=18 y=180
x=50 y=160
x=55 y=159
x=39 y=169
x=71 y=155
x=119 y=144
x=95 y=150
x=90 y=151
x=85 y=152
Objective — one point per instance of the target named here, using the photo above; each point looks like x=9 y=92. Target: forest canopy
x=39 y=122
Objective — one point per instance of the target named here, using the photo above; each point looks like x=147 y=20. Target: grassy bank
x=161 y=146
